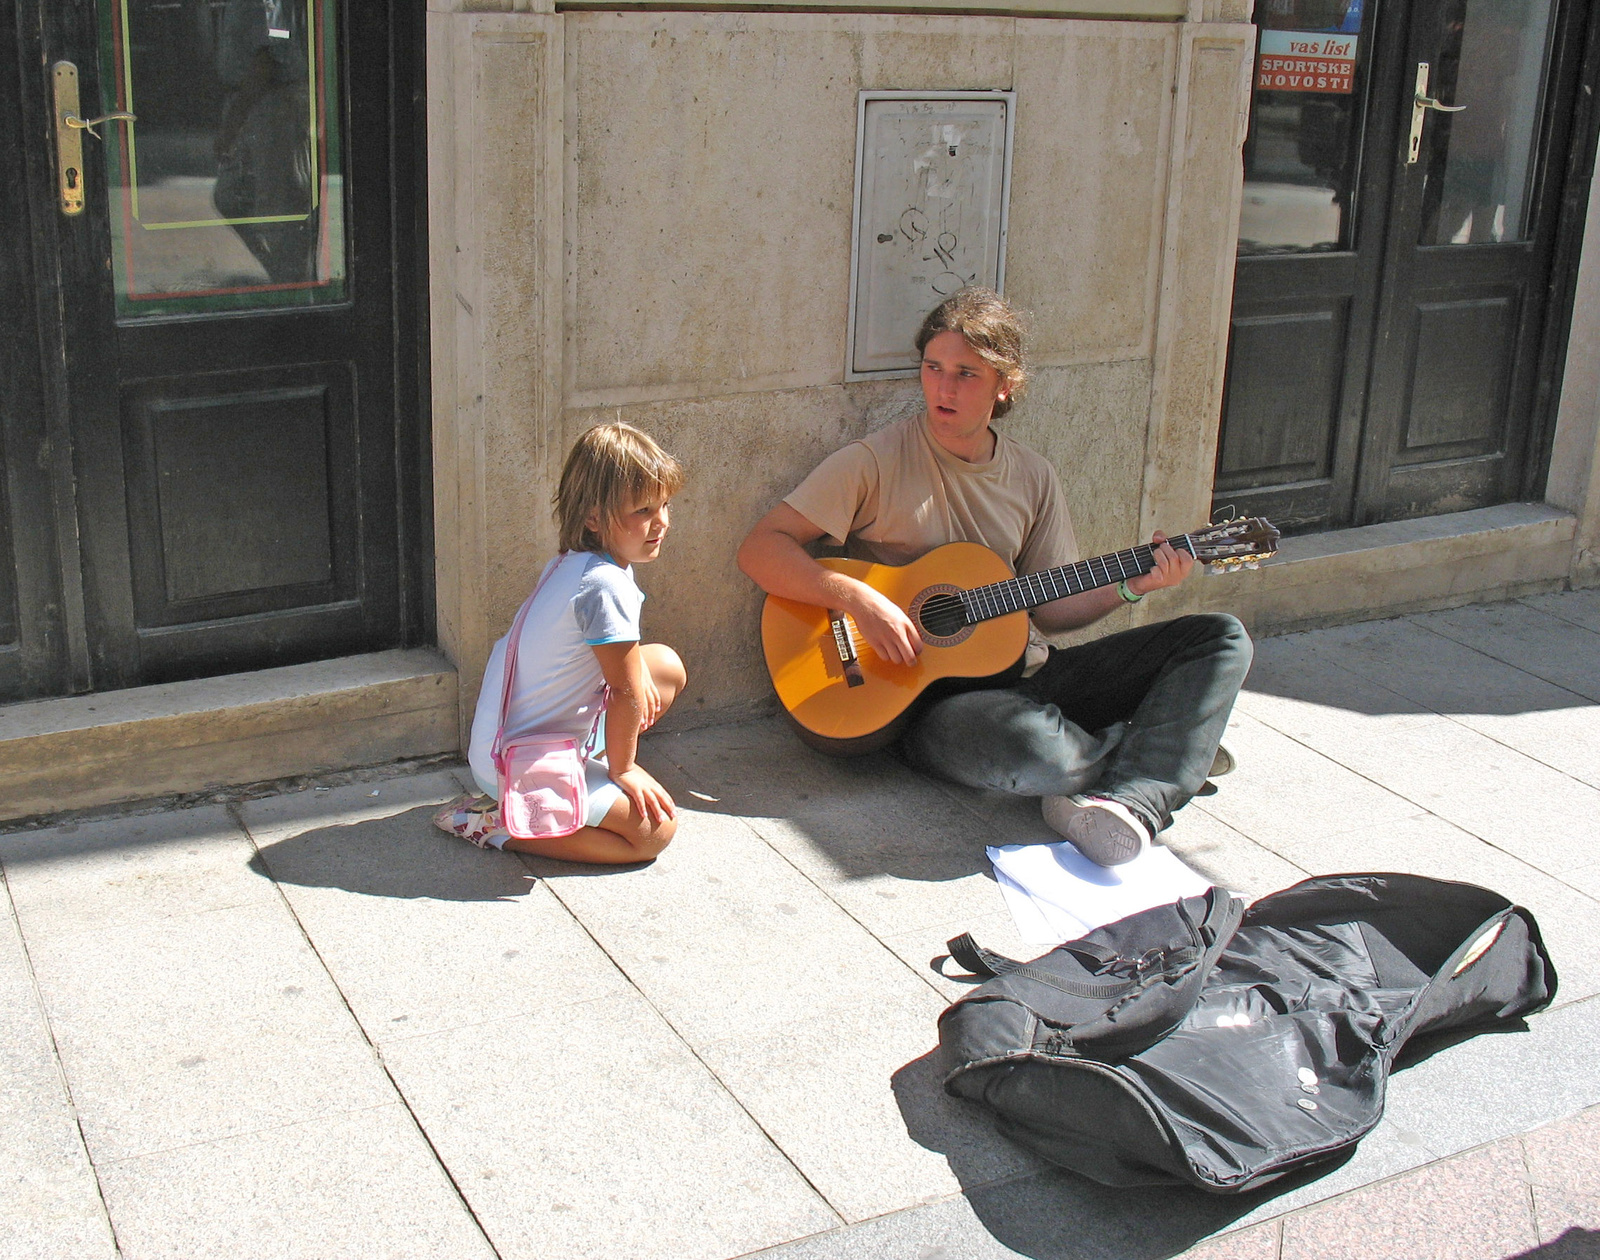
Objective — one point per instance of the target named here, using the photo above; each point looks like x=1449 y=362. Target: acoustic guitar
x=972 y=614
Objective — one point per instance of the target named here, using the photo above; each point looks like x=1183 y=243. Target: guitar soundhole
x=940 y=616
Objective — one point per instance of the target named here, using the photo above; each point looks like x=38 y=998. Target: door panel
x=1284 y=374
x=1458 y=397
x=278 y=443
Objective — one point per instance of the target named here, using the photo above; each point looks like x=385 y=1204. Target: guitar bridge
x=846 y=647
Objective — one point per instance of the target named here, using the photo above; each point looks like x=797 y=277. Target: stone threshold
x=119 y=746
x=1400 y=567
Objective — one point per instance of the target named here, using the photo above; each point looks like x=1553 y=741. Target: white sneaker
x=1106 y=832
x=1058 y=812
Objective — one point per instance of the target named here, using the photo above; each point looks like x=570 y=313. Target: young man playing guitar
x=1115 y=734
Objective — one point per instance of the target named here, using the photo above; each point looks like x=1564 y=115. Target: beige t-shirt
x=897 y=494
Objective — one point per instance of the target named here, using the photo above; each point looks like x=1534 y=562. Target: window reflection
x=226 y=193
x=1480 y=161
x=1300 y=157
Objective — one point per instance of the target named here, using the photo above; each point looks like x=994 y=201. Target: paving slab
x=1526 y=638
x=1048 y=1216
x=189 y=1030
x=1565 y=1156
x=419 y=930
x=592 y=1130
x=113 y=872
x=855 y=1098
x=50 y=1206
x=353 y=1186
x=1580 y=608
x=1274 y=769
x=1523 y=806
x=1473 y=1207
x=177 y=1026
x=1438 y=672
x=725 y=937
x=1496 y=1085
x=1224 y=856
x=1260 y=1242
x=1292 y=674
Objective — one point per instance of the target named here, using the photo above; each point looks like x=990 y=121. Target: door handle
x=118 y=115
x=69 y=135
x=1421 y=103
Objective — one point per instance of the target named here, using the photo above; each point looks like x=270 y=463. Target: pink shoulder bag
x=542 y=791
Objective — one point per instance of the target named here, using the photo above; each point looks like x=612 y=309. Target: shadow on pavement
x=869 y=815
x=1571 y=1244
x=1382 y=668
x=1057 y=1215
x=402 y=855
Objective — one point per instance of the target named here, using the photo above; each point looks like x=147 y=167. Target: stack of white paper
x=1056 y=894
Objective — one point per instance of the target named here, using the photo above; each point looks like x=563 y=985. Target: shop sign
x=1306 y=61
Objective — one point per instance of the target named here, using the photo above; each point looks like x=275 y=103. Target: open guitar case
x=1203 y=1044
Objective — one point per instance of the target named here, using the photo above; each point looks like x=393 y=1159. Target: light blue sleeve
x=607 y=606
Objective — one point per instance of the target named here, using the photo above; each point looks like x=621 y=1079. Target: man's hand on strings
x=891 y=634
x=1172 y=566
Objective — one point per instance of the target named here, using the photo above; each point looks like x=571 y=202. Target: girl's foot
x=475 y=819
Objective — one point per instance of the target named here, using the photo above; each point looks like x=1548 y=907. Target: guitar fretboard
x=1014 y=594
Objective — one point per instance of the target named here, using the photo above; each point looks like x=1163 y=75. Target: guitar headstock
x=1242 y=543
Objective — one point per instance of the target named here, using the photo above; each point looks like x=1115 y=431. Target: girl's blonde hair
x=608 y=467
x=992 y=327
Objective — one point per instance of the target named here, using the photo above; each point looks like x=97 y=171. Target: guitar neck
x=1014 y=594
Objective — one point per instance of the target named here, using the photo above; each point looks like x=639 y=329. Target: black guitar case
x=1272 y=1060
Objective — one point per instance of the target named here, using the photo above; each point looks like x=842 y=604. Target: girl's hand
x=649 y=702
x=649 y=799
x=1171 y=567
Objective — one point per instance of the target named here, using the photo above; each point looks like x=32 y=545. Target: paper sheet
x=1056 y=894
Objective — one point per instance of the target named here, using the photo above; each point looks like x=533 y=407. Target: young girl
x=580 y=637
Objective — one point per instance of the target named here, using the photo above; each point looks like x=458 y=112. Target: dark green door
x=225 y=390
x=1391 y=298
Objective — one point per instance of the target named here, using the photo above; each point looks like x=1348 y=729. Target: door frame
x=31 y=30
x=1583 y=140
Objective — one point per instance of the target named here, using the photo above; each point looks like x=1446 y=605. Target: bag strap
x=985 y=962
x=510 y=669
x=978 y=960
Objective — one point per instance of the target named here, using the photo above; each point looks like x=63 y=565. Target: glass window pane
x=1480 y=161
x=227 y=193
x=1300 y=158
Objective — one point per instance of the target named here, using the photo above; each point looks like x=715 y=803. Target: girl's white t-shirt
x=586 y=600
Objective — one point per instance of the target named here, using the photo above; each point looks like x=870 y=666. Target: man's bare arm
x=774 y=556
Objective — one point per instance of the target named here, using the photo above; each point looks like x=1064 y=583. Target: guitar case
x=1197 y=1045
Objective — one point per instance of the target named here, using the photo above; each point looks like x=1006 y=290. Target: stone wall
x=705 y=186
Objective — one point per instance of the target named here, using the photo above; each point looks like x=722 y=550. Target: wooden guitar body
x=845 y=711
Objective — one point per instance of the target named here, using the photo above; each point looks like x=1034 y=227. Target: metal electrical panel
x=933 y=176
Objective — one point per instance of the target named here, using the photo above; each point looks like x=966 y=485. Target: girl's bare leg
x=623 y=836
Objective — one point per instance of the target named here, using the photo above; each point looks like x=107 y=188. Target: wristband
x=1128 y=597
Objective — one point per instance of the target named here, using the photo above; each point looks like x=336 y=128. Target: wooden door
x=229 y=344
x=1390 y=312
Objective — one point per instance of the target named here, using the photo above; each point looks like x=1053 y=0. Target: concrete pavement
x=308 y=1024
